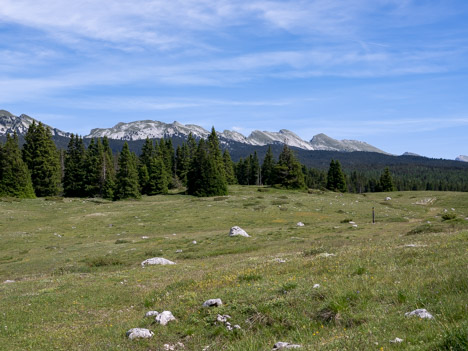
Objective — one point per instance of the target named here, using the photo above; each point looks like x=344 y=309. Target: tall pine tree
x=42 y=159
x=268 y=168
x=15 y=179
x=127 y=176
x=74 y=172
x=386 y=181
x=289 y=171
x=229 y=168
x=336 y=180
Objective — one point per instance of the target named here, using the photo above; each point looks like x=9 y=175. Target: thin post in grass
x=373 y=215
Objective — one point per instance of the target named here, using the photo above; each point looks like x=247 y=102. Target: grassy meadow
x=78 y=283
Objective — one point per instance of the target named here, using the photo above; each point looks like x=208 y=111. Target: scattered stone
x=415 y=245
x=151 y=314
x=285 y=345
x=178 y=251
x=316 y=286
x=156 y=260
x=238 y=231
x=164 y=317
x=171 y=347
x=212 y=303
x=354 y=225
x=280 y=260
x=420 y=312
x=388 y=198
x=326 y=254
x=139 y=333
x=237 y=326
x=145 y=237
x=223 y=318
x=396 y=341
x=351 y=222
x=452 y=209
x=194 y=242
x=300 y=224
x=8 y=281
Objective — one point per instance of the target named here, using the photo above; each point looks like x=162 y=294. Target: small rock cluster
x=225 y=320
x=421 y=313
x=156 y=260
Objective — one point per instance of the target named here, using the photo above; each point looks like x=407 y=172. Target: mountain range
x=141 y=130
x=239 y=145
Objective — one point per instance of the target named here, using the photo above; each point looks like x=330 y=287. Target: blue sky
x=393 y=73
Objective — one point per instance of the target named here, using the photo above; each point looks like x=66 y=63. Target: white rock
x=326 y=254
x=280 y=260
x=354 y=225
x=420 y=312
x=156 y=260
x=164 y=317
x=194 y=242
x=316 y=286
x=351 y=222
x=171 y=347
x=151 y=314
x=212 y=303
x=178 y=251
x=396 y=340
x=136 y=333
x=388 y=198
x=145 y=237
x=285 y=345
x=223 y=318
x=237 y=326
x=300 y=224
x=238 y=231
x=8 y=281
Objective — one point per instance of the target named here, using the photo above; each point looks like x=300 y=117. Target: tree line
x=201 y=167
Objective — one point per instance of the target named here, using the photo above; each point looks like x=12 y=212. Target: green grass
x=79 y=284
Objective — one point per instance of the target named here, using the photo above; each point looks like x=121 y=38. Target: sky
x=392 y=73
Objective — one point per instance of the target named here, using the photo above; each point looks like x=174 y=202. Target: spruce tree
x=108 y=170
x=127 y=176
x=206 y=175
x=268 y=166
x=336 y=180
x=15 y=179
x=74 y=172
x=42 y=159
x=93 y=165
x=229 y=168
x=386 y=181
x=182 y=163
x=289 y=171
x=254 y=169
x=158 y=179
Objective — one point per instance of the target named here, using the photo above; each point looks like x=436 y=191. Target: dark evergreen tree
x=182 y=163
x=74 y=170
x=206 y=177
x=229 y=168
x=254 y=170
x=289 y=171
x=93 y=165
x=108 y=170
x=242 y=172
x=15 y=179
x=42 y=159
x=158 y=179
x=335 y=178
x=268 y=167
x=127 y=176
x=386 y=181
